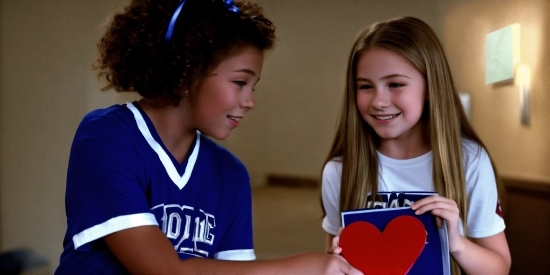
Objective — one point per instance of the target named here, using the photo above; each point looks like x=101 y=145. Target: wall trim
x=292 y=181
x=532 y=187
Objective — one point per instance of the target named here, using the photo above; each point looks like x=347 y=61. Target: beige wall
x=299 y=96
x=46 y=86
x=519 y=151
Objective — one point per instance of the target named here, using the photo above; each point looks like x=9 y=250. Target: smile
x=386 y=117
x=234 y=118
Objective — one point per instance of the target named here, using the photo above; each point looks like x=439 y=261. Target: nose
x=381 y=99
x=247 y=100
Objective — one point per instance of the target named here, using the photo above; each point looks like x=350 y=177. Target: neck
x=412 y=145
x=172 y=124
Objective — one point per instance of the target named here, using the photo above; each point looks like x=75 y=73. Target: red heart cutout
x=391 y=252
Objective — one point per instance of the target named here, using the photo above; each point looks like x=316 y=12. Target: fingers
x=345 y=267
x=440 y=207
x=446 y=214
x=429 y=200
x=336 y=249
x=336 y=240
x=348 y=269
x=434 y=203
x=352 y=271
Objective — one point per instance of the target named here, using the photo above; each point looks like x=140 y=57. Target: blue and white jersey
x=121 y=176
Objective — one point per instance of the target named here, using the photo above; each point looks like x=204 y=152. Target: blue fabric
x=116 y=181
x=230 y=5
x=172 y=24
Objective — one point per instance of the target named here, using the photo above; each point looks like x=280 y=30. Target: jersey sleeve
x=330 y=192
x=484 y=216
x=237 y=241
x=104 y=191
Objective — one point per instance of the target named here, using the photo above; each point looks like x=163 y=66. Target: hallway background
x=47 y=85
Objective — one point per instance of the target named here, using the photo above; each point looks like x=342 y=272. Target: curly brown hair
x=134 y=56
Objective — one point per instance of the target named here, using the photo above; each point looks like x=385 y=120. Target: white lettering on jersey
x=177 y=223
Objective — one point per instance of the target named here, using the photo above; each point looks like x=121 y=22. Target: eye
x=396 y=85
x=364 y=86
x=240 y=83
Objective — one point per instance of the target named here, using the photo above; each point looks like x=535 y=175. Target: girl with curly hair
x=147 y=191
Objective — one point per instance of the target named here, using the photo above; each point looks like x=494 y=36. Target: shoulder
x=107 y=121
x=332 y=173
x=473 y=153
x=478 y=168
x=105 y=133
x=470 y=146
x=333 y=166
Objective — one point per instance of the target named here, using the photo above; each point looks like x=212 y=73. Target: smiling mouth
x=386 y=117
x=234 y=118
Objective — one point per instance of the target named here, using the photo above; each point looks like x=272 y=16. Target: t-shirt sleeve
x=484 y=215
x=237 y=241
x=330 y=192
x=104 y=192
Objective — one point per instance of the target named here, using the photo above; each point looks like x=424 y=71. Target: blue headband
x=229 y=4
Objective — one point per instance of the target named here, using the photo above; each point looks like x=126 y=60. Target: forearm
x=287 y=265
x=208 y=266
x=474 y=257
x=305 y=263
x=145 y=250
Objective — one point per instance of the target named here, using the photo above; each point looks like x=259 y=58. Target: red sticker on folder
x=393 y=251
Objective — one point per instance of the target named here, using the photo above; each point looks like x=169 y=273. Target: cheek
x=363 y=102
x=413 y=107
x=203 y=108
x=363 y=107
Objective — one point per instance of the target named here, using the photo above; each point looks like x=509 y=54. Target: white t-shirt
x=415 y=174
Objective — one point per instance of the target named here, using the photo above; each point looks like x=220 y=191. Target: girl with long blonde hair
x=402 y=128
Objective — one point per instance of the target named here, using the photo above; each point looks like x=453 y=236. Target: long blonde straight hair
x=356 y=142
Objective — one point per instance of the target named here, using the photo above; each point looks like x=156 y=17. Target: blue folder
x=434 y=258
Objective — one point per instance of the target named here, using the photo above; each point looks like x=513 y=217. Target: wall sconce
x=523 y=81
x=502 y=56
x=466 y=101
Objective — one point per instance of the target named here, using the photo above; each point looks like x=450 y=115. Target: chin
x=386 y=135
x=218 y=136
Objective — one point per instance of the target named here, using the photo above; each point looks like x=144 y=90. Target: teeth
x=235 y=118
x=385 y=117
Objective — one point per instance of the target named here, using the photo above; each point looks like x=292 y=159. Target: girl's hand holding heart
x=446 y=209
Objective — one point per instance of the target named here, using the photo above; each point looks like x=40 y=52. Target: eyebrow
x=248 y=71
x=385 y=77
